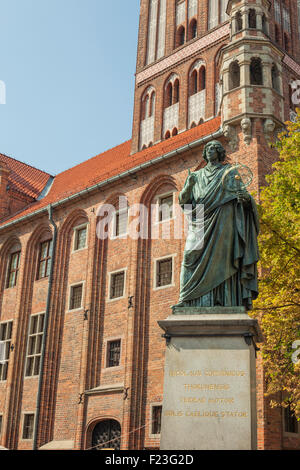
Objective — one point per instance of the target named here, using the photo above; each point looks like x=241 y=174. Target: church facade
x=82 y=355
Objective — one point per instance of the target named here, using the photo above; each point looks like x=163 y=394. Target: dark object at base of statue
x=221 y=253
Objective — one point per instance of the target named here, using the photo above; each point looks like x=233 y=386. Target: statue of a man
x=220 y=258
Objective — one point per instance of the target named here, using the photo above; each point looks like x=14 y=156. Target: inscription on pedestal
x=207 y=395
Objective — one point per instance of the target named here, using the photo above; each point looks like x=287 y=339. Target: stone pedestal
x=210 y=380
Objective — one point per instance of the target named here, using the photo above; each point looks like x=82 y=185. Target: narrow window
x=165 y=207
x=76 y=297
x=169 y=95
x=275 y=78
x=174 y=131
x=113 y=353
x=264 y=24
x=176 y=91
x=238 y=22
x=80 y=238
x=168 y=135
x=180 y=36
x=202 y=76
x=156 y=419
x=45 y=259
x=194 y=83
x=121 y=221
x=34 y=347
x=256 y=76
x=252 y=18
x=117 y=285
x=28 y=426
x=193 y=29
x=164 y=272
x=234 y=75
x=14 y=264
x=290 y=421
x=5 y=343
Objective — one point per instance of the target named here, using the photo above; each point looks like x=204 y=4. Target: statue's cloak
x=221 y=252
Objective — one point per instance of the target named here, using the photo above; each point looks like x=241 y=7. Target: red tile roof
x=111 y=163
x=25 y=178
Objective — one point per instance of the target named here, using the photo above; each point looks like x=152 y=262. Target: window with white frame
x=164 y=272
x=28 y=424
x=5 y=345
x=76 y=292
x=34 y=347
x=165 y=207
x=80 y=237
x=117 y=285
x=120 y=222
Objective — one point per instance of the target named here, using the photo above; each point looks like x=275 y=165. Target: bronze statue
x=221 y=253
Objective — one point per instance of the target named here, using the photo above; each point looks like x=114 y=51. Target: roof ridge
x=24 y=163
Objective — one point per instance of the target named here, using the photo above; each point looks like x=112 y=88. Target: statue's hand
x=243 y=196
x=192 y=179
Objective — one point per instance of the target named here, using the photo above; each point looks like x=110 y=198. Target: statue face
x=211 y=152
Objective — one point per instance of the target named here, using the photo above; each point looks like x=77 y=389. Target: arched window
x=194 y=83
x=174 y=132
x=147 y=117
x=238 y=22
x=107 y=435
x=193 y=29
x=202 y=78
x=252 y=18
x=180 y=36
x=264 y=24
x=234 y=75
x=176 y=91
x=171 y=101
x=197 y=93
x=256 y=75
x=275 y=78
x=14 y=257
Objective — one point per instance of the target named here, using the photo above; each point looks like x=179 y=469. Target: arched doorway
x=107 y=435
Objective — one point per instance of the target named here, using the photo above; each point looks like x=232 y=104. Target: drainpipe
x=45 y=332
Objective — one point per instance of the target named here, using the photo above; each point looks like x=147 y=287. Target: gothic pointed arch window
x=193 y=29
x=275 y=78
x=171 y=105
x=106 y=435
x=256 y=73
x=156 y=30
x=238 y=22
x=252 y=18
x=286 y=42
x=197 y=92
x=264 y=24
x=147 y=117
x=234 y=75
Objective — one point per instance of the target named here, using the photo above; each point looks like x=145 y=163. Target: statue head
x=219 y=148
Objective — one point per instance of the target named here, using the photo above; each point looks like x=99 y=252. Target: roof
x=108 y=164
x=25 y=178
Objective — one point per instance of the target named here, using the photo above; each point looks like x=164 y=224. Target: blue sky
x=68 y=66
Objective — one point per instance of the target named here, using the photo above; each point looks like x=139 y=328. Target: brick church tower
x=206 y=69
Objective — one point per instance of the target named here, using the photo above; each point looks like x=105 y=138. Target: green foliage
x=278 y=305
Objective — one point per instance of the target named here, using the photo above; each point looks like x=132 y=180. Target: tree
x=278 y=305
